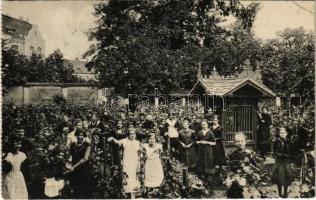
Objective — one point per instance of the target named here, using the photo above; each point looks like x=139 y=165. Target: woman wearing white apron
x=153 y=167
x=14 y=186
x=130 y=161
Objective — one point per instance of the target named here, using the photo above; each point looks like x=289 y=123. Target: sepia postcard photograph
x=157 y=99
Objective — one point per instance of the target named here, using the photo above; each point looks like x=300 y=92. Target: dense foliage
x=288 y=64
x=40 y=121
x=18 y=69
x=164 y=40
x=168 y=40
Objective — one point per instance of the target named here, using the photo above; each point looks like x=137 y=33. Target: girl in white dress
x=14 y=186
x=153 y=167
x=131 y=147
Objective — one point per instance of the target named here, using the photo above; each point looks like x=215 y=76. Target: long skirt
x=282 y=172
x=14 y=186
x=130 y=166
x=153 y=173
x=188 y=156
x=219 y=153
x=82 y=182
x=263 y=135
x=116 y=154
x=205 y=161
x=264 y=149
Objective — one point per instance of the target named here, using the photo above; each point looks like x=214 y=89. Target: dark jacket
x=282 y=148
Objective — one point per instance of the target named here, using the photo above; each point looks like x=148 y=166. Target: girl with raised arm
x=131 y=146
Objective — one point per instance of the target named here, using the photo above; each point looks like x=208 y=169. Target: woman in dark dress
x=119 y=133
x=195 y=125
x=80 y=177
x=264 y=123
x=219 y=151
x=205 y=159
x=187 y=147
x=282 y=172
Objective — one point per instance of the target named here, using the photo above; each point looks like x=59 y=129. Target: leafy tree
x=60 y=70
x=13 y=70
x=18 y=69
x=159 y=43
x=288 y=63
x=37 y=70
x=230 y=51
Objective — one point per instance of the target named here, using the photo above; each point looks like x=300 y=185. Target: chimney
x=77 y=58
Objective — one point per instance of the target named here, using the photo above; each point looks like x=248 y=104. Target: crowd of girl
x=195 y=141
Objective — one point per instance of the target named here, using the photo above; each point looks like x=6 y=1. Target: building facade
x=23 y=36
x=81 y=71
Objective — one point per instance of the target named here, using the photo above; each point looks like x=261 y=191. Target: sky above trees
x=64 y=24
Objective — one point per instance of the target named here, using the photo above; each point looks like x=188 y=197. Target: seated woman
x=242 y=162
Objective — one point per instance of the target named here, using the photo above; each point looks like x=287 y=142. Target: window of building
x=15 y=47
x=31 y=50
x=35 y=33
x=11 y=30
x=39 y=50
x=103 y=93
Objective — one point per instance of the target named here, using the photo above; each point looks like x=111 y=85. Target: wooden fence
x=239 y=118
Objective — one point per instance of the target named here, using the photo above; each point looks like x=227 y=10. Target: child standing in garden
x=14 y=186
x=131 y=146
x=282 y=172
x=153 y=167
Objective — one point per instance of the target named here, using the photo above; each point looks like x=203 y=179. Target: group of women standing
x=202 y=150
x=131 y=161
x=199 y=150
x=60 y=164
x=199 y=145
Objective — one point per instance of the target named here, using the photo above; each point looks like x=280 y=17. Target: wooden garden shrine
x=235 y=99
